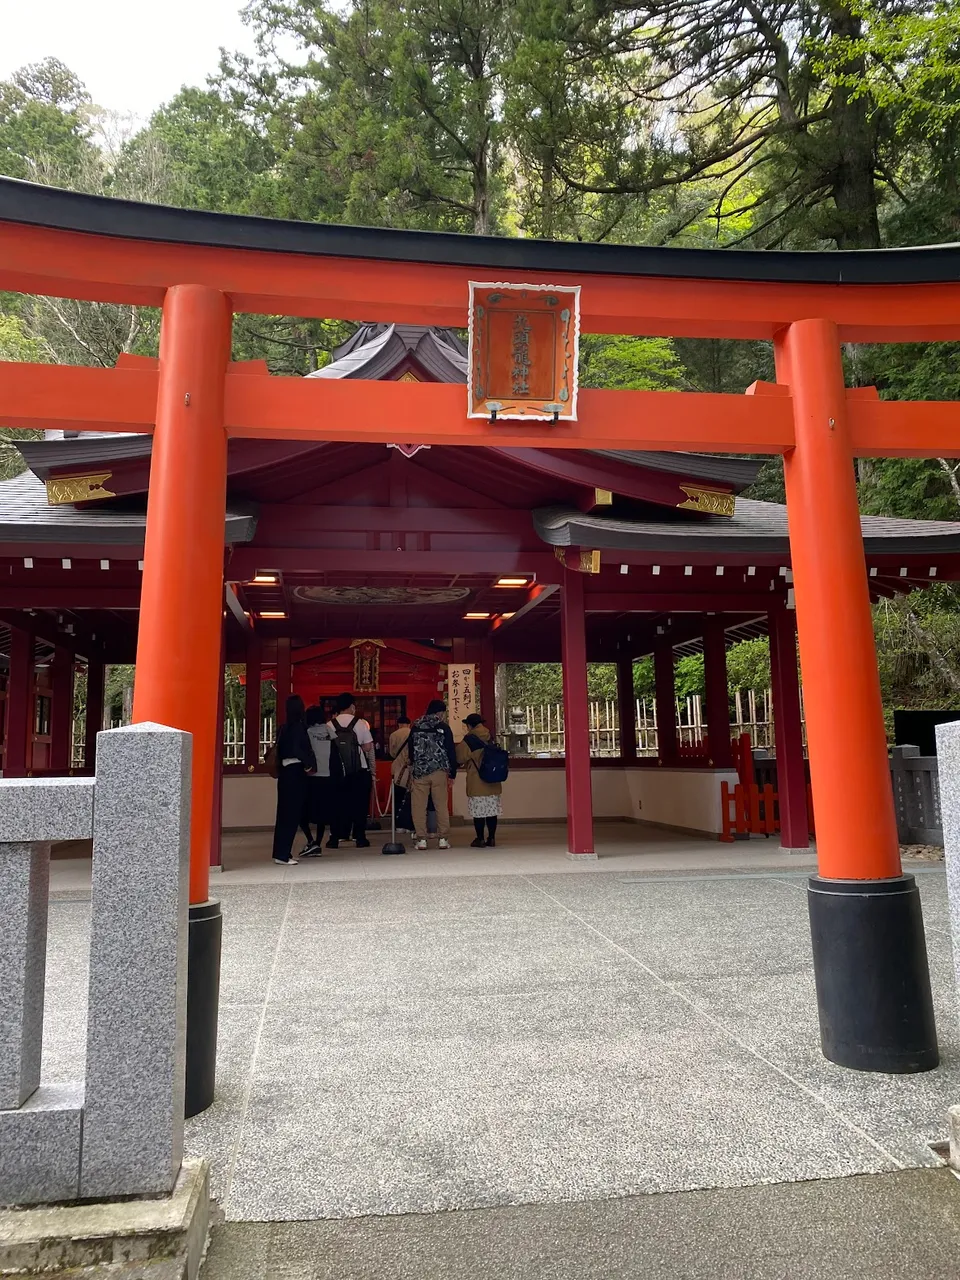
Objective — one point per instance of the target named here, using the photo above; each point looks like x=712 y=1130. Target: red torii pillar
x=181 y=613
x=870 y=961
x=576 y=717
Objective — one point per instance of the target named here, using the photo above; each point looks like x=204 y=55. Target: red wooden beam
x=680 y=602
x=86 y=399
x=113 y=269
x=68 y=596
x=276 y=521
x=245 y=562
x=435 y=413
x=593 y=472
x=536 y=594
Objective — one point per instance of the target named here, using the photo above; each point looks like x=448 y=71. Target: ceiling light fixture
x=476 y=617
x=512 y=582
x=271 y=613
x=262 y=579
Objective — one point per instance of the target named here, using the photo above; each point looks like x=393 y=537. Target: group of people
x=325 y=770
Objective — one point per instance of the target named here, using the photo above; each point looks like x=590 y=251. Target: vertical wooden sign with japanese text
x=523 y=351
x=461 y=695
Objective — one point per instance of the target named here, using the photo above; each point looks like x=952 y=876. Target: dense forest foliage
x=675 y=122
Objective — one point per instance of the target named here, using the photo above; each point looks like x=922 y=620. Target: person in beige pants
x=435 y=785
x=433 y=760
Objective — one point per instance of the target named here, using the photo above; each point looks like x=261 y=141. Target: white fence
x=753 y=714
x=540 y=725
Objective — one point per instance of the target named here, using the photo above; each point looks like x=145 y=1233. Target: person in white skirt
x=484 y=799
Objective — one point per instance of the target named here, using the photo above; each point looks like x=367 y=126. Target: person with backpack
x=433 y=760
x=293 y=760
x=352 y=742
x=485 y=764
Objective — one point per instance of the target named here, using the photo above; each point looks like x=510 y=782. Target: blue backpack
x=494 y=763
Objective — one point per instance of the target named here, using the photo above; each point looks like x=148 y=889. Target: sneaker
x=310 y=850
x=444 y=844
x=286 y=862
x=333 y=844
x=421 y=844
x=491 y=843
x=479 y=843
x=362 y=844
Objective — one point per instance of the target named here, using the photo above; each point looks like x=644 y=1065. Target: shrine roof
x=375 y=351
x=754 y=527
x=26 y=517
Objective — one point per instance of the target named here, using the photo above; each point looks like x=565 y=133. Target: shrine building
x=430 y=557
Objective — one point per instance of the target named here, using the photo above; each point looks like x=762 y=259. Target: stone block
x=948 y=768
x=136 y=1030
x=45 y=809
x=24 y=889
x=162 y=1237
x=40 y=1146
x=953 y=1133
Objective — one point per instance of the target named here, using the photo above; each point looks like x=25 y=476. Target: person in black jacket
x=295 y=761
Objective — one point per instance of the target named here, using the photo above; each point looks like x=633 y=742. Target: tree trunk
x=852 y=184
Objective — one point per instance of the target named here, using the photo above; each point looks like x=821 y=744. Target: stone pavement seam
x=251 y=1071
x=730 y=1035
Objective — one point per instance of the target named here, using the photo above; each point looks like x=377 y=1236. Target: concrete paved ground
x=886 y=1226
x=404 y=1042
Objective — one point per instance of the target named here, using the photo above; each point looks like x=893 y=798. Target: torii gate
x=869 y=954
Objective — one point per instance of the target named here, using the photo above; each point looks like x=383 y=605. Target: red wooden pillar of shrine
x=284 y=677
x=251 y=706
x=788 y=731
x=179 y=665
x=576 y=717
x=717 y=692
x=21 y=706
x=870 y=962
x=61 y=710
x=666 y=702
x=488 y=685
x=93 y=721
x=626 y=711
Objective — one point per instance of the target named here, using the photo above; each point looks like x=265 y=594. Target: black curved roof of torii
x=41 y=206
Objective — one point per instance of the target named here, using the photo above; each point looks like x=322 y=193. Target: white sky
x=131 y=54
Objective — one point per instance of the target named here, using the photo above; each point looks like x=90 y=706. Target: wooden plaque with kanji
x=523 y=351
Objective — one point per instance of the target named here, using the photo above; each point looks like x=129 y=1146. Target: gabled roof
x=26 y=517
x=755 y=527
x=375 y=351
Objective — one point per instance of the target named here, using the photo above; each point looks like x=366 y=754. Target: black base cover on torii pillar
x=873 y=983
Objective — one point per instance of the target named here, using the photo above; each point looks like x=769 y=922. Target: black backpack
x=348 y=746
x=494 y=764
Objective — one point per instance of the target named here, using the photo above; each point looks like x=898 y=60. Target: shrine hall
x=430 y=557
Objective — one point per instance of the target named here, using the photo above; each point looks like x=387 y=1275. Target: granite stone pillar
x=136 y=1032
x=948 y=770
x=24 y=888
